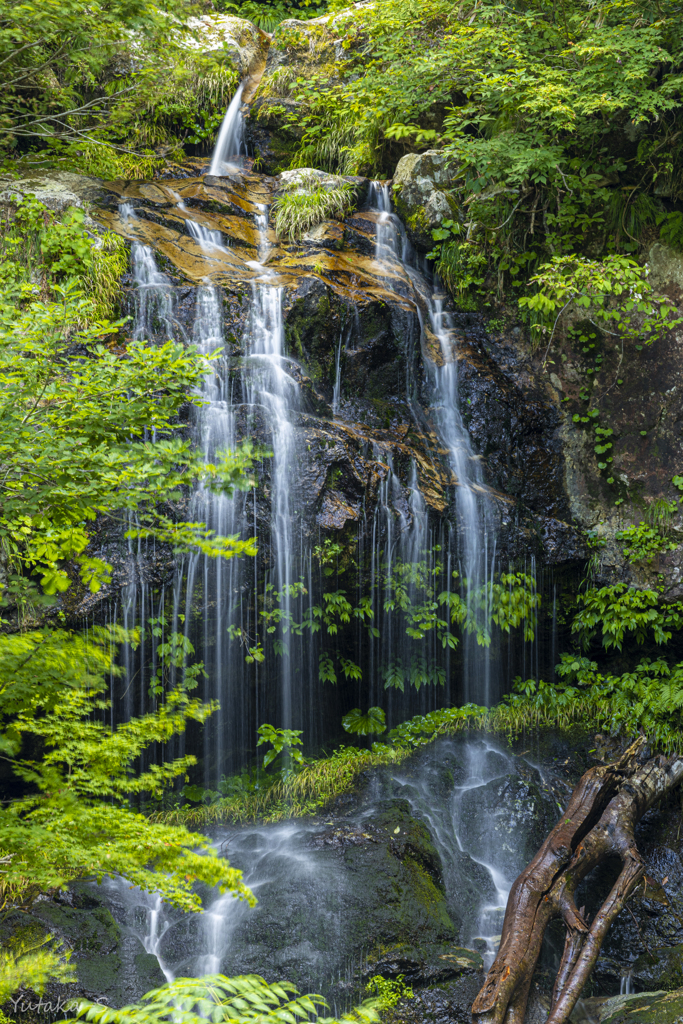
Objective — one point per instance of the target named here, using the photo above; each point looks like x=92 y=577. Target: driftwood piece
x=599 y=822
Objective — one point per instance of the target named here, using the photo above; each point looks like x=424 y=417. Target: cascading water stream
x=153 y=290
x=296 y=881
x=476 y=540
x=230 y=142
x=252 y=390
x=271 y=389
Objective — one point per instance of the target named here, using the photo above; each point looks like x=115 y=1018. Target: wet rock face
x=512 y=422
x=507 y=819
x=111 y=965
x=659 y=969
x=328 y=894
x=361 y=362
x=647 y=942
x=449 y=1003
x=637 y=392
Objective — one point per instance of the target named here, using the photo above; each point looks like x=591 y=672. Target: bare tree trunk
x=599 y=822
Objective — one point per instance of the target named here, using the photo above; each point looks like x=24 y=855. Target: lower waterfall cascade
x=288 y=870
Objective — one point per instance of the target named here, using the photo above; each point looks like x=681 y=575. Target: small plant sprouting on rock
x=388 y=991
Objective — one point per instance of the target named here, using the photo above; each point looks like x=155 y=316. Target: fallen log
x=599 y=822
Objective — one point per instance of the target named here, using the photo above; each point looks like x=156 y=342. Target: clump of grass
x=103 y=283
x=280 y=84
x=307 y=202
x=293 y=795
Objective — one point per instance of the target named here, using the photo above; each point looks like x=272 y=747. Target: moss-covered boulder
x=337 y=893
x=644 y=1008
x=421 y=191
x=666 y=271
x=110 y=963
x=315 y=49
x=55 y=189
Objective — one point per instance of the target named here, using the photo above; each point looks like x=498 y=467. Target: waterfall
x=254 y=390
x=230 y=142
x=475 y=540
x=207 y=238
x=272 y=390
x=626 y=984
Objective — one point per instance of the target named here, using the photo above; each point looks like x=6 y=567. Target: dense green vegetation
x=114 y=88
x=563 y=123
x=244 y=999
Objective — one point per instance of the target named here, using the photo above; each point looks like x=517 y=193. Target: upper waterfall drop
x=230 y=141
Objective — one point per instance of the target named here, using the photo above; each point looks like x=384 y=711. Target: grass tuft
x=307 y=203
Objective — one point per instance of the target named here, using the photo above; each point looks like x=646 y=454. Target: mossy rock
x=110 y=966
x=421 y=196
x=375 y=883
x=425 y=965
x=448 y=1003
x=644 y=1008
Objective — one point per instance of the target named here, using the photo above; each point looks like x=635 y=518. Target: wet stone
x=644 y=1008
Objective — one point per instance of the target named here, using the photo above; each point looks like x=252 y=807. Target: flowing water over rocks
x=410 y=877
x=390 y=428
x=407 y=876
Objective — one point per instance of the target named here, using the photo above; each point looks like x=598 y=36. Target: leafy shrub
x=388 y=991
x=671 y=228
x=284 y=743
x=644 y=543
x=648 y=699
x=267 y=16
